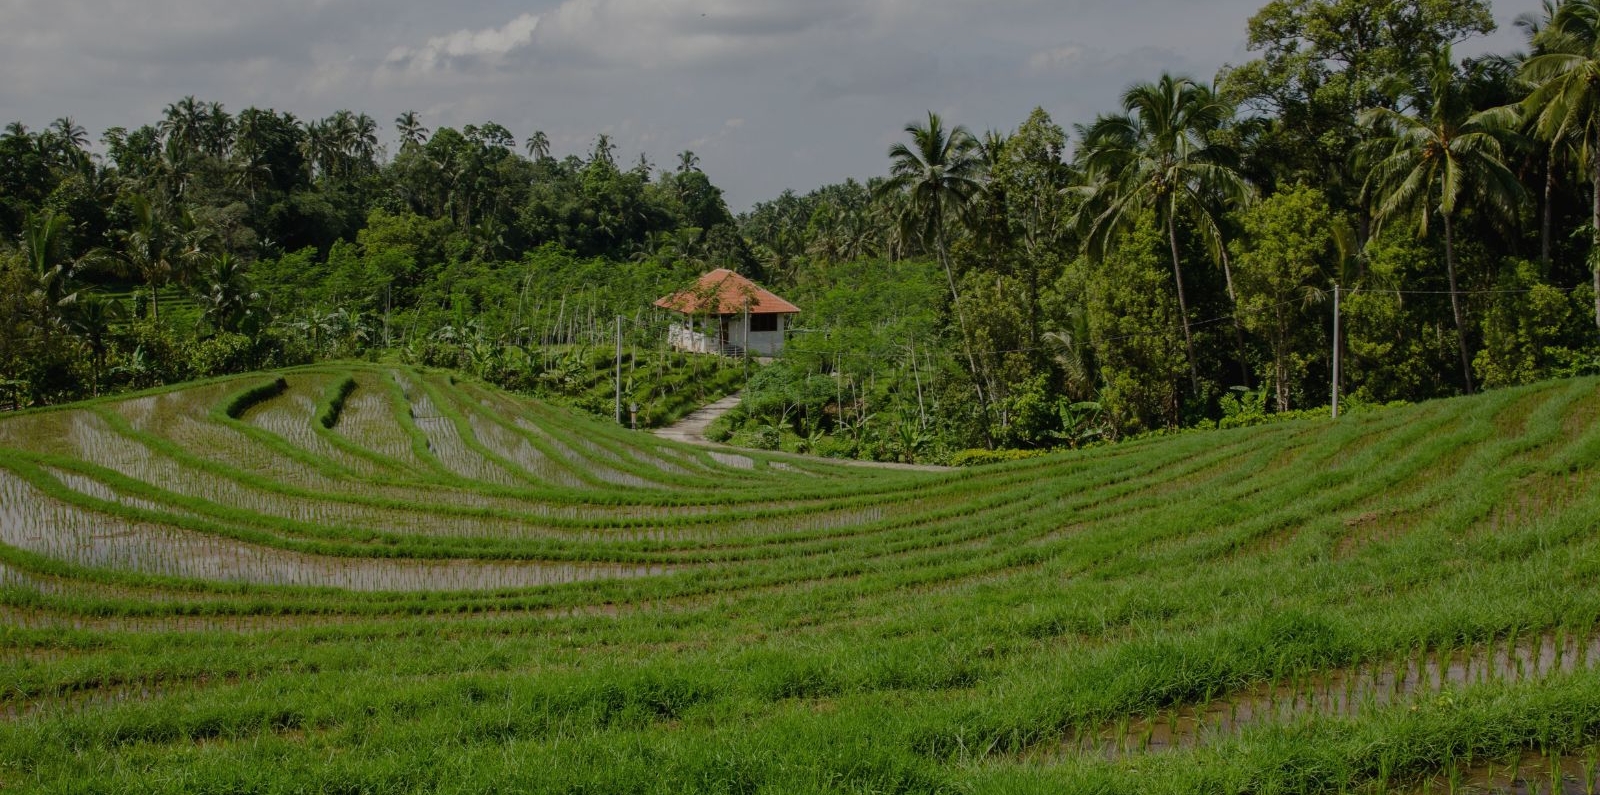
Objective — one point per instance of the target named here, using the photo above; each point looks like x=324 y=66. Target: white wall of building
x=705 y=335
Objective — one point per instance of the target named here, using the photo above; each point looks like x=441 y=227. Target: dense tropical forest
x=1172 y=263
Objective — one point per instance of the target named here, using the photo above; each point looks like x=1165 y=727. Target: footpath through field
x=692 y=430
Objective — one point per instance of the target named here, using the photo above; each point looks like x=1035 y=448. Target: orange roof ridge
x=723 y=292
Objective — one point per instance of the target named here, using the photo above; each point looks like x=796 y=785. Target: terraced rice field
x=377 y=579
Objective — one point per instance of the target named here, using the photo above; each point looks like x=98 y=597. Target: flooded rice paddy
x=525 y=587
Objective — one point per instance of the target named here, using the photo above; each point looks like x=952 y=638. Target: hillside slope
x=373 y=579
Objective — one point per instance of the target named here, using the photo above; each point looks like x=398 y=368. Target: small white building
x=727 y=314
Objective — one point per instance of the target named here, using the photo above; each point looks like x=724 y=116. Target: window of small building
x=763 y=322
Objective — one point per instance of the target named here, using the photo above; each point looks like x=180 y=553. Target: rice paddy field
x=370 y=579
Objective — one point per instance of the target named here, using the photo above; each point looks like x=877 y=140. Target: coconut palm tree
x=314 y=149
x=409 y=125
x=181 y=127
x=1159 y=155
x=1564 y=105
x=939 y=175
x=44 y=247
x=538 y=145
x=159 y=248
x=1426 y=162
x=605 y=151
x=224 y=293
x=93 y=318
x=69 y=145
x=362 y=141
x=70 y=132
x=343 y=145
x=217 y=130
x=987 y=219
x=1557 y=154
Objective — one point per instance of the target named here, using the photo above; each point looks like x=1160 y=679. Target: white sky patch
x=729 y=127
x=655 y=34
x=440 y=52
x=1055 y=60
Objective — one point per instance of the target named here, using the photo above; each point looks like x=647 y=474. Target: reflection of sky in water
x=31 y=521
x=1344 y=693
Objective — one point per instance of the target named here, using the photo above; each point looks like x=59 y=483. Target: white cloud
x=1055 y=60
x=729 y=127
x=833 y=80
x=485 y=45
x=666 y=33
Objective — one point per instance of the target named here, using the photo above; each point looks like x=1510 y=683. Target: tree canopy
x=1166 y=263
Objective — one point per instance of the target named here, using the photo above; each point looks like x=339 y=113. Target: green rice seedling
x=240 y=402
x=333 y=402
x=864 y=630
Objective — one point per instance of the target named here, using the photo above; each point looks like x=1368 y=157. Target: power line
x=1461 y=292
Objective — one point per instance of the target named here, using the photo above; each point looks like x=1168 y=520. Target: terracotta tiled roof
x=723 y=292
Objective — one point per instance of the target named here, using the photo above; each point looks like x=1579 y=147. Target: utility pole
x=838 y=384
x=619 y=369
x=1336 y=347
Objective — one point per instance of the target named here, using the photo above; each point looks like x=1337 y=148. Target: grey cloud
x=878 y=75
x=176 y=31
x=821 y=86
x=685 y=33
x=466 y=45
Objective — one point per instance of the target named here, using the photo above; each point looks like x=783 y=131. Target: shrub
x=222 y=354
x=835 y=447
x=336 y=398
x=767 y=437
x=241 y=402
x=720 y=431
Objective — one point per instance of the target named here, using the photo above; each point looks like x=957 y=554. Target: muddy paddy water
x=1340 y=693
x=1530 y=774
x=35 y=522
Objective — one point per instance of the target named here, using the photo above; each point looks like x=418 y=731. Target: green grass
x=665 y=385
x=378 y=579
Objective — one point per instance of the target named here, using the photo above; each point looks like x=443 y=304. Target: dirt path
x=692 y=430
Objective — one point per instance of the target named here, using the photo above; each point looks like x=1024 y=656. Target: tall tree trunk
x=1183 y=302
x=1548 y=211
x=1455 y=300
x=961 y=320
x=1031 y=243
x=1594 y=246
x=1238 y=327
x=1280 y=369
x=1033 y=302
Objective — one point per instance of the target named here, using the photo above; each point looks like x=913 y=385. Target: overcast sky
x=771 y=94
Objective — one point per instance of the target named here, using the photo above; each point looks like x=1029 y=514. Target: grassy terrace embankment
x=374 y=579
